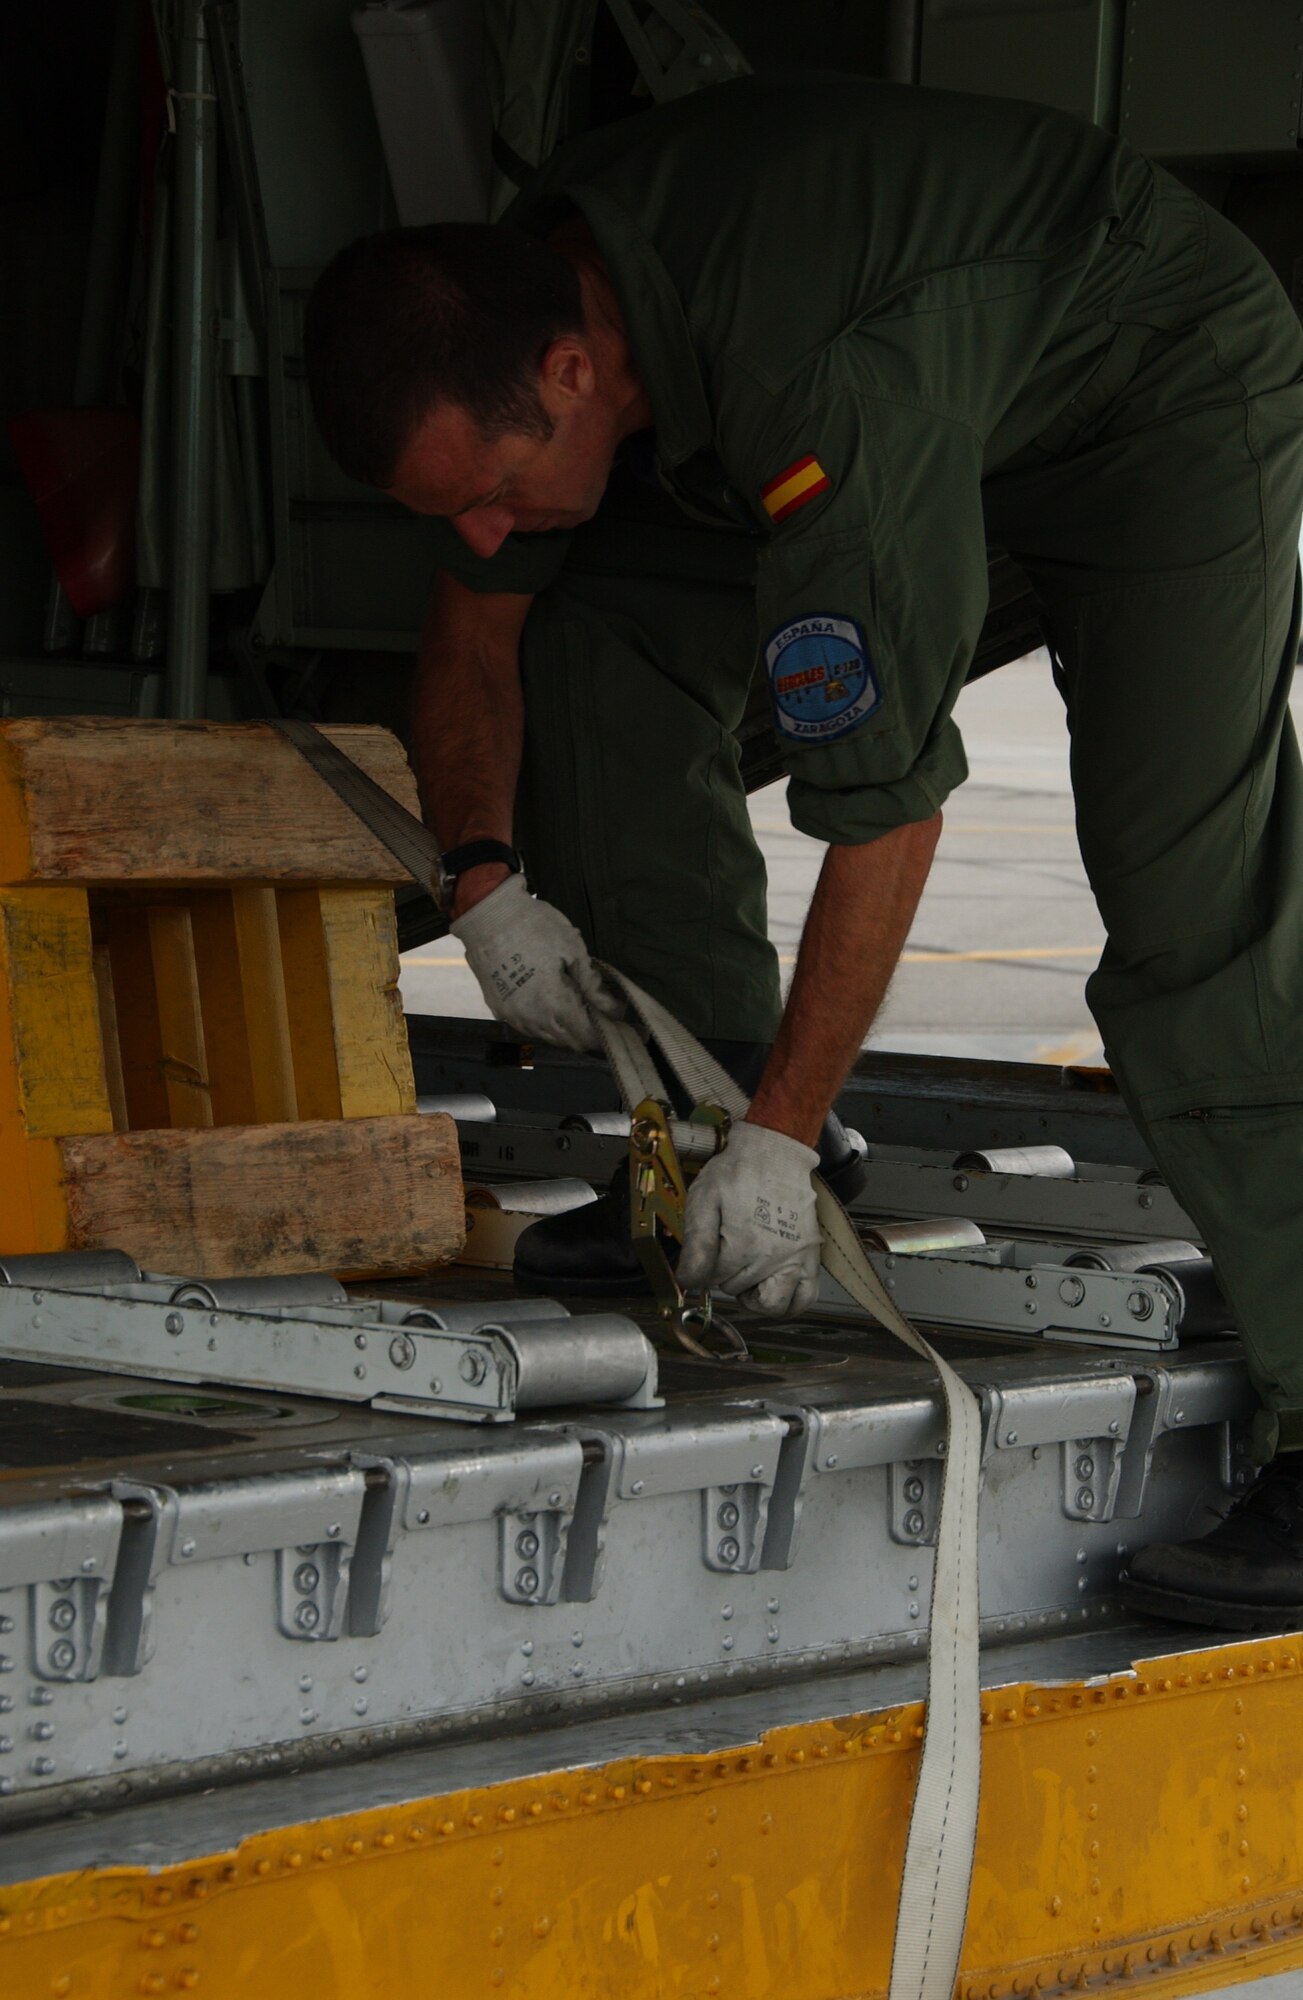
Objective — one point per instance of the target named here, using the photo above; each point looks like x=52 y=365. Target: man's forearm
x=863 y=906
x=468 y=723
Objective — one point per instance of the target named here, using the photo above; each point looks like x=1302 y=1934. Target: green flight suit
x=880 y=327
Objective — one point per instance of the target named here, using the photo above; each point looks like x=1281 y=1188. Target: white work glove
x=533 y=967
x=749 y=1226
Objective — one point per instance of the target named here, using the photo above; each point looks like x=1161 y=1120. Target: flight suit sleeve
x=524 y=565
x=872 y=591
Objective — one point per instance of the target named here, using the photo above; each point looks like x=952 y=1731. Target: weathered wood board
x=363 y=1195
x=51 y=1067
x=346 y=1026
x=52 y=1077
x=111 y=799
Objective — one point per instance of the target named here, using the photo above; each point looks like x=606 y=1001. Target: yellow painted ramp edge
x=1139 y=1834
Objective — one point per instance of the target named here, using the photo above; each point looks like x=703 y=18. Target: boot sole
x=1223 y=1612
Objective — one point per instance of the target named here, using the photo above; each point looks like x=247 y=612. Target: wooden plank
x=108 y=1013
x=199 y=983
x=33 y=1212
x=51 y=1073
x=140 y=1032
x=374 y=1195
x=371 y=1048
x=221 y=1002
x=308 y=997
x=266 y=1011
x=181 y=1028
x=342 y=977
x=115 y=799
x=370 y=1033
x=50 y=1047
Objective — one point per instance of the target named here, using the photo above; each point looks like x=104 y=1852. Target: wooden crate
x=202 y=1052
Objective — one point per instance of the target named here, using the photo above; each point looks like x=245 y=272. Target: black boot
x=1245 y=1576
x=588 y=1250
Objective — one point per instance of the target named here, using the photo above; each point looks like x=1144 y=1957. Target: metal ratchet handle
x=658 y=1194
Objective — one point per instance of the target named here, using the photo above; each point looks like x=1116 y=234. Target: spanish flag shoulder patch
x=791 y=488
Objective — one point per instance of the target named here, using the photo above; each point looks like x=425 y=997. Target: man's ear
x=566 y=372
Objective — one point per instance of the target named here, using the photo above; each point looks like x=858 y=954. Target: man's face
x=488 y=487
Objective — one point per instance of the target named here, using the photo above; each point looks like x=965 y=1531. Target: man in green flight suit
x=762 y=372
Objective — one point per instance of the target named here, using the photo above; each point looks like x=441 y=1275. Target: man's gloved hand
x=533 y=967
x=750 y=1225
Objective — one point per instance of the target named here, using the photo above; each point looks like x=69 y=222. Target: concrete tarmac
x=1007 y=930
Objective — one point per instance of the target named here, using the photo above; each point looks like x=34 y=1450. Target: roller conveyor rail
x=390 y=1575
x=304 y=1335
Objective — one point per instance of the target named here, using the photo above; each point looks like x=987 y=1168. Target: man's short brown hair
x=457 y=312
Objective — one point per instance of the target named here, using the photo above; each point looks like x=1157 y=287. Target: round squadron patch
x=821 y=677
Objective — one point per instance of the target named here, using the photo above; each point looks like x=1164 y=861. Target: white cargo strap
x=938 y=1867
x=934 y=1888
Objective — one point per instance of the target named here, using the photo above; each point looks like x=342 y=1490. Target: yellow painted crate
x=197 y=936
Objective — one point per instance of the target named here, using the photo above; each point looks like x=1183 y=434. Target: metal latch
x=530 y=1489
x=65 y=1553
x=532 y=1554
x=732 y=1465
x=657 y=1197
x=915 y=1500
x=1096 y=1412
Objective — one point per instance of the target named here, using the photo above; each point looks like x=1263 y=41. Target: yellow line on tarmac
x=1013 y=952
x=1085 y=1047
x=995 y=956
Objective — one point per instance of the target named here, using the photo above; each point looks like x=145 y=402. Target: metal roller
x=467 y=1107
x=459 y=1316
x=609 y=1124
x=599 y=1358
x=913 y=1239
x=296 y=1288
x=556 y=1196
x=71 y=1270
x=1201 y=1307
x=1131 y=1256
x=1048 y=1163
x=691 y=1142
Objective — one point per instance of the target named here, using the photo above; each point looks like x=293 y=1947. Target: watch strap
x=473 y=854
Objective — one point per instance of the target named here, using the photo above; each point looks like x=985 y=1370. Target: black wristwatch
x=456 y=860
